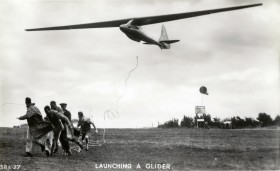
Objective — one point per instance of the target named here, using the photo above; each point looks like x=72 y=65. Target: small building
x=227 y=124
x=199 y=119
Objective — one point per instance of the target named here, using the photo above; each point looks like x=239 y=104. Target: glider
x=131 y=26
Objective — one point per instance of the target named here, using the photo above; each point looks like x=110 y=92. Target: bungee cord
x=115 y=114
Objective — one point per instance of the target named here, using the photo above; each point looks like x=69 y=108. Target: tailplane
x=164 y=41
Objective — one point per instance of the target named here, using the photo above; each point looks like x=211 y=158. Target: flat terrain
x=182 y=149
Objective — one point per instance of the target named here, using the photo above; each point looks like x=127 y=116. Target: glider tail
x=164 y=41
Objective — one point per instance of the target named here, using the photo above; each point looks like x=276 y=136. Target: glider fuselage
x=135 y=33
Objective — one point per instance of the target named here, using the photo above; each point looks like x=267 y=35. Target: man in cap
x=67 y=133
x=85 y=128
x=66 y=112
x=37 y=128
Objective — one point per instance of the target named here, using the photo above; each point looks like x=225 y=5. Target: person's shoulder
x=32 y=107
x=59 y=109
x=53 y=111
x=87 y=120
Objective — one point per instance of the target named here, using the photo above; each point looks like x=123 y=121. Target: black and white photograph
x=139 y=85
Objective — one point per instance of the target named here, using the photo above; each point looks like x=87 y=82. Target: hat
x=53 y=103
x=80 y=114
x=63 y=104
x=28 y=100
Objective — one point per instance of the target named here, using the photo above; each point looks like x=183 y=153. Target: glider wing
x=171 y=17
x=144 y=20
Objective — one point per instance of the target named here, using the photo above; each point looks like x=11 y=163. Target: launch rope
x=115 y=114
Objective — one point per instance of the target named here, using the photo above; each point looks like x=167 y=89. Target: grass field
x=182 y=149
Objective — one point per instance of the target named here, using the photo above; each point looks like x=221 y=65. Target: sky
x=234 y=54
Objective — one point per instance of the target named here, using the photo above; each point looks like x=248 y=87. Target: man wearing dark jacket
x=67 y=133
x=66 y=112
x=56 y=118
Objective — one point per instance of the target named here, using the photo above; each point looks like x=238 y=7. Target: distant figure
x=85 y=128
x=55 y=119
x=37 y=128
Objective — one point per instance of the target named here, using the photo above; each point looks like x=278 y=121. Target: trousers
x=45 y=141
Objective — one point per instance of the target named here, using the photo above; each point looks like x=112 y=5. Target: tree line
x=263 y=120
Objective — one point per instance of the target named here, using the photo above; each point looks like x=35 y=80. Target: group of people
x=54 y=129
